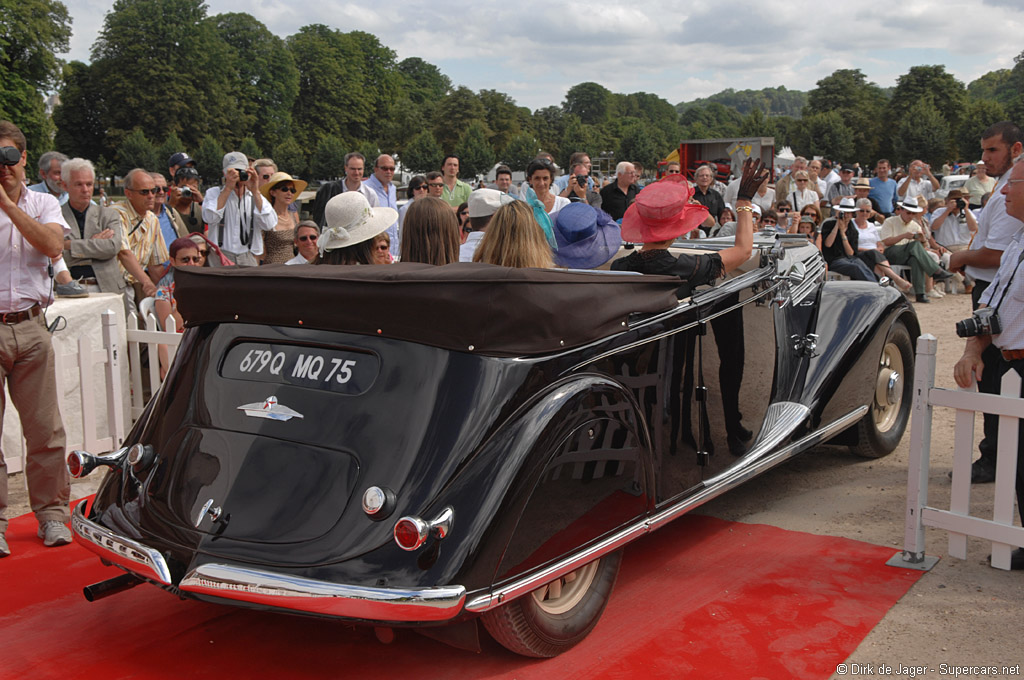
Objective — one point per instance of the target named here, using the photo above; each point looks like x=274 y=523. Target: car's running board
x=780 y=421
x=712 y=488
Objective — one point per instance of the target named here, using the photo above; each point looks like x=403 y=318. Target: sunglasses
x=290 y=189
x=189 y=259
x=435 y=184
x=202 y=253
x=383 y=247
x=422 y=187
x=386 y=168
x=146 y=192
x=802 y=180
x=307 y=238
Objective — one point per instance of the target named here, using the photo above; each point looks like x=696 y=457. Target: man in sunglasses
x=143 y=254
x=187 y=200
x=32 y=231
x=306 y=235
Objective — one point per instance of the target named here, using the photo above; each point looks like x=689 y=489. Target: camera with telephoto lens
x=984 y=321
x=9 y=155
x=243 y=175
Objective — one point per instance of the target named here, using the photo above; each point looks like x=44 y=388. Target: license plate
x=332 y=370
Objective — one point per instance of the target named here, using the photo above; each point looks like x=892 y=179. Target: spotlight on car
x=81 y=463
x=378 y=503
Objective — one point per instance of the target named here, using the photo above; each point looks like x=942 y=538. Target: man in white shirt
x=236 y=213
x=920 y=182
x=306 y=235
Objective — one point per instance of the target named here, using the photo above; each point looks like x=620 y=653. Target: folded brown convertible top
x=463 y=306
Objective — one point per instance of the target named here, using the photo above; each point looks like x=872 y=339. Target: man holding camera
x=997 y=227
x=187 y=200
x=578 y=190
x=237 y=214
x=1003 y=328
x=32 y=231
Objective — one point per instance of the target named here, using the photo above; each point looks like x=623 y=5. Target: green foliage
x=639 y=145
x=860 y=105
x=755 y=124
x=290 y=157
x=576 y=137
x=940 y=91
x=549 y=124
x=476 y=157
x=423 y=153
x=772 y=100
x=31 y=33
x=209 y=157
x=991 y=86
x=978 y=116
x=264 y=80
x=829 y=136
x=519 y=151
x=590 y=102
x=250 y=148
x=328 y=160
x=158 y=65
x=135 y=151
x=422 y=82
x=407 y=119
x=503 y=117
x=172 y=144
x=80 y=118
x=922 y=134
x=454 y=115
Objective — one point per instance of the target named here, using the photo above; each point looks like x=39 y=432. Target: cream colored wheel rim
x=564 y=593
x=888 y=388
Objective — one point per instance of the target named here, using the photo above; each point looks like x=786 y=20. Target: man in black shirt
x=621 y=193
x=706 y=196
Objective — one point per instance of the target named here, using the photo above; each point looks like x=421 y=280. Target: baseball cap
x=235 y=160
x=180 y=158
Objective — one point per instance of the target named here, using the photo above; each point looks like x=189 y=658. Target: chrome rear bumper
x=272 y=589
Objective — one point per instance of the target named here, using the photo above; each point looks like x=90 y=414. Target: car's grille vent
x=813 y=278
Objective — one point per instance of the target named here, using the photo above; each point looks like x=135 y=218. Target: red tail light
x=410 y=533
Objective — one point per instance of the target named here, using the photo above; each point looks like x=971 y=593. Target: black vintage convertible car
x=437 y=447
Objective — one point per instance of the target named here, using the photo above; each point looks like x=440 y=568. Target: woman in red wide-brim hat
x=663 y=212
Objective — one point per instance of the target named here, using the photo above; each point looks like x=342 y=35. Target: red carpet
x=715 y=598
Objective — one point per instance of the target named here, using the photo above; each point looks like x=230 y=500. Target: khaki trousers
x=27 y=368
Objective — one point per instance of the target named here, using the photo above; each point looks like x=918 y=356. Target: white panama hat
x=351 y=220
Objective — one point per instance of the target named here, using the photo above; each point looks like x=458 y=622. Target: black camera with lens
x=243 y=175
x=581 y=180
x=984 y=321
x=9 y=155
x=960 y=204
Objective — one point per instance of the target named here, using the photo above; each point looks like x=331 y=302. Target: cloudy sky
x=679 y=50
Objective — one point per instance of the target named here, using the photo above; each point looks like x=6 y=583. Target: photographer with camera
x=187 y=200
x=999 y=322
x=237 y=214
x=578 y=187
x=953 y=226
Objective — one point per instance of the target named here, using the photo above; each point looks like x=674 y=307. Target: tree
x=519 y=151
x=638 y=144
x=264 y=80
x=158 y=65
x=32 y=32
x=922 y=134
x=549 y=124
x=79 y=121
x=755 y=124
x=476 y=157
x=930 y=85
x=978 y=115
x=576 y=137
x=503 y=117
x=290 y=157
x=716 y=120
x=171 y=145
x=328 y=159
x=860 y=105
x=135 y=151
x=423 y=153
x=454 y=115
x=989 y=86
x=829 y=136
x=423 y=82
x=210 y=160
x=589 y=101
x=250 y=148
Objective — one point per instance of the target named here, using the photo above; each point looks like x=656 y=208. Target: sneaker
x=936 y=293
x=72 y=289
x=54 y=533
x=4 y=549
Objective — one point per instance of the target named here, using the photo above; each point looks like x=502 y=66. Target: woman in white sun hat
x=351 y=227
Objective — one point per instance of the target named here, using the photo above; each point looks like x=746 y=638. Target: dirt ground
x=961 y=613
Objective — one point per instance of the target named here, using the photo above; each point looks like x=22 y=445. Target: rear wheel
x=559 y=614
x=881 y=429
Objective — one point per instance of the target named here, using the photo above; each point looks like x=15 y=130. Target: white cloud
x=677 y=49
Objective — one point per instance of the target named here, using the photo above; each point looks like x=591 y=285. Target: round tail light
x=76 y=465
x=410 y=533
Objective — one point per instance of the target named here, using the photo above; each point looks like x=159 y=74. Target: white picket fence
x=957 y=520
x=152 y=337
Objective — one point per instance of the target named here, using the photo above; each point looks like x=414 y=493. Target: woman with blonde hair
x=431 y=233
x=514 y=239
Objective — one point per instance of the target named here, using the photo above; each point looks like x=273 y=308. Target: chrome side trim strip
x=325 y=598
x=124 y=552
x=780 y=420
x=722 y=483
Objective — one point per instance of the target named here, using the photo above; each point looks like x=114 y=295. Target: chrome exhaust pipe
x=112 y=586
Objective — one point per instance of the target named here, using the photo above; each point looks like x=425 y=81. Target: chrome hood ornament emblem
x=269 y=408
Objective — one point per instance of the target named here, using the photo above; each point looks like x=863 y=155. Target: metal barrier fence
x=957 y=521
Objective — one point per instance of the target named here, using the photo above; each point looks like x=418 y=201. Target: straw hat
x=351 y=220
x=277 y=178
x=662 y=211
